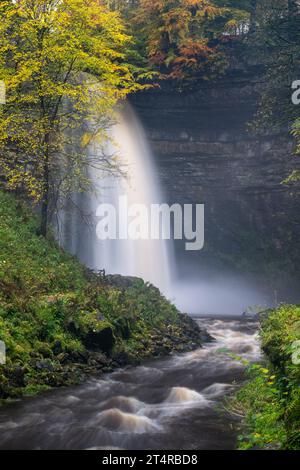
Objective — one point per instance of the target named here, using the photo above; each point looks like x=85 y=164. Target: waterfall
x=149 y=259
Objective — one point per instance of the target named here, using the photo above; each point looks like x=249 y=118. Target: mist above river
x=218 y=295
x=159 y=261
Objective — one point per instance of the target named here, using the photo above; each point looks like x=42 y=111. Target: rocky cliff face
x=205 y=154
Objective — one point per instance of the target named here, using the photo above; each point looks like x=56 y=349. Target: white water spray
x=149 y=259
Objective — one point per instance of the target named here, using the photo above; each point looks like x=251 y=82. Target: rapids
x=140 y=407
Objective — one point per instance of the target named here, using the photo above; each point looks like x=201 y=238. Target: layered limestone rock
x=205 y=154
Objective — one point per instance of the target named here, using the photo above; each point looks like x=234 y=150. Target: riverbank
x=270 y=400
x=172 y=403
x=62 y=323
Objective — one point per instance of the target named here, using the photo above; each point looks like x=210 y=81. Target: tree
x=177 y=37
x=64 y=66
x=239 y=16
x=276 y=44
x=183 y=40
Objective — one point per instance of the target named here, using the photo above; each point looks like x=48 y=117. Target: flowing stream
x=176 y=403
x=172 y=403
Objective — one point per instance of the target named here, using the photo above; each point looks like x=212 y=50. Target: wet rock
x=45 y=351
x=63 y=358
x=57 y=348
x=44 y=365
x=100 y=338
x=102 y=360
x=15 y=376
x=96 y=334
x=206 y=337
x=79 y=356
x=12 y=380
x=123 y=359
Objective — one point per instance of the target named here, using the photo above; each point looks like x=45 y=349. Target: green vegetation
x=182 y=41
x=64 y=64
x=271 y=398
x=276 y=45
x=67 y=63
x=61 y=322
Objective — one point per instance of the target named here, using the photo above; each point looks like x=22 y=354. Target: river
x=176 y=403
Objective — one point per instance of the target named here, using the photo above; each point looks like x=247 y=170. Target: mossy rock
x=123 y=328
x=124 y=282
x=61 y=322
x=101 y=339
x=96 y=334
x=11 y=381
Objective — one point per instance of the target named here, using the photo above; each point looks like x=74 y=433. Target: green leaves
x=64 y=64
x=51 y=312
x=176 y=37
x=271 y=398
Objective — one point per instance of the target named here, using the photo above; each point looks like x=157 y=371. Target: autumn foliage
x=178 y=36
x=64 y=64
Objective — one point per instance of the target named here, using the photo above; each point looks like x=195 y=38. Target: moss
x=32 y=390
x=57 y=318
x=271 y=398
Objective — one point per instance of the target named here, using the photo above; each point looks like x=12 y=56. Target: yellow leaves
x=17 y=179
x=193 y=3
x=86 y=139
x=209 y=11
x=56 y=50
x=232 y=23
x=83 y=35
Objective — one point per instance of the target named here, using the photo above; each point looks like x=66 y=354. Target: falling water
x=148 y=259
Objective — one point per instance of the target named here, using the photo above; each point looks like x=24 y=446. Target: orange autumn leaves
x=178 y=37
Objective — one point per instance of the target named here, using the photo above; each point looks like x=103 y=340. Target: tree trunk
x=45 y=201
